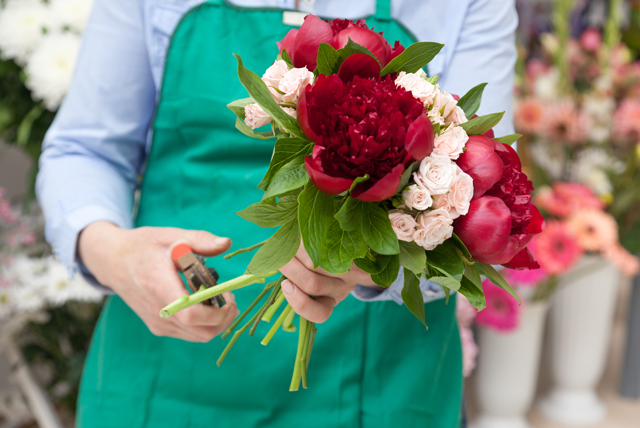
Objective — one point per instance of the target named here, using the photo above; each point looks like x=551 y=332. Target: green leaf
x=341 y=247
x=389 y=273
x=377 y=230
x=267 y=215
x=327 y=59
x=237 y=107
x=446 y=260
x=351 y=214
x=412 y=295
x=458 y=242
x=413 y=58
x=357 y=181
x=315 y=215
x=447 y=283
x=470 y=102
x=352 y=48
x=482 y=124
x=495 y=277
x=474 y=295
x=509 y=139
x=291 y=176
x=260 y=93
x=277 y=251
x=286 y=150
x=372 y=264
x=434 y=79
x=413 y=257
x=246 y=130
x=406 y=176
x=286 y=58
x=472 y=274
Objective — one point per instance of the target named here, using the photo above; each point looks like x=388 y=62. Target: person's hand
x=328 y=289
x=137 y=266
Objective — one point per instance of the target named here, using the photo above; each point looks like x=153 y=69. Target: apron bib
x=373 y=364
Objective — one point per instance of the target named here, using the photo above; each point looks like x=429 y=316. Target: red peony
x=501 y=220
x=366 y=126
x=302 y=45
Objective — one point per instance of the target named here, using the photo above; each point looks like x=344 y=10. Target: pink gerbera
x=563 y=199
x=529 y=116
x=556 y=249
x=502 y=312
x=564 y=123
x=626 y=121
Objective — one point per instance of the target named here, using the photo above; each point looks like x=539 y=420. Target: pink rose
x=291 y=112
x=442 y=201
x=434 y=227
x=417 y=85
x=436 y=173
x=255 y=116
x=417 y=198
x=461 y=195
x=273 y=75
x=452 y=141
x=403 y=225
x=457 y=117
x=293 y=82
x=444 y=103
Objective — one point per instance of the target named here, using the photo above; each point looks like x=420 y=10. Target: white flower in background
x=590 y=168
x=6 y=303
x=417 y=198
x=600 y=111
x=292 y=83
x=545 y=86
x=59 y=288
x=255 y=116
x=452 y=141
x=436 y=173
x=550 y=157
x=72 y=14
x=50 y=68
x=417 y=85
x=434 y=227
x=21 y=28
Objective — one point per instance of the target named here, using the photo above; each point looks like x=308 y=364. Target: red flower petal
x=303 y=115
x=537 y=221
x=489 y=134
x=396 y=50
x=305 y=47
x=371 y=40
x=486 y=227
x=384 y=188
x=420 y=138
x=359 y=64
x=523 y=260
x=287 y=43
x=481 y=162
x=326 y=184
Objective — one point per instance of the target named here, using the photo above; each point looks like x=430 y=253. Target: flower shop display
x=375 y=165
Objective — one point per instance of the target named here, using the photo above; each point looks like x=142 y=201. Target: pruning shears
x=196 y=273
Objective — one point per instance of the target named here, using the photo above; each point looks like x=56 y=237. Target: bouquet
x=374 y=166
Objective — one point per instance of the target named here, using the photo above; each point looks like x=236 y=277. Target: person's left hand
x=328 y=289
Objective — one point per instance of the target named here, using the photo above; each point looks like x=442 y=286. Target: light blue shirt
x=96 y=148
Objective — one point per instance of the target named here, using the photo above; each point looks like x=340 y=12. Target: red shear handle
x=178 y=251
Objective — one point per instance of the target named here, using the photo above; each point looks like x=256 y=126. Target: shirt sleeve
x=94 y=151
x=485 y=52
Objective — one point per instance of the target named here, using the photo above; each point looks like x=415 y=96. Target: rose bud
x=371 y=40
x=482 y=163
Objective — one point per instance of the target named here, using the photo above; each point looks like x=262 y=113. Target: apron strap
x=383 y=10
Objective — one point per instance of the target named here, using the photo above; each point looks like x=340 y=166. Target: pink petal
x=486 y=227
x=305 y=47
x=420 y=138
x=303 y=115
x=383 y=189
x=327 y=184
x=287 y=43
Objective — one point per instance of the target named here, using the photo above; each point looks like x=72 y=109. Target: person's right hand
x=137 y=266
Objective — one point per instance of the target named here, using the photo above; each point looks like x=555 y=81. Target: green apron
x=373 y=364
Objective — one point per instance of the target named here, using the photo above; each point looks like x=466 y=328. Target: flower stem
x=303 y=357
x=273 y=308
x=246 y=311
x=245 y=250
x=235 y=337
x=202 y=295
x=267 y=304
x=297 y=368
x=276 y=325
x=311 y=340
x=288 y=323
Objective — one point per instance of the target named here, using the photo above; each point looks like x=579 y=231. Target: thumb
x=200 y=241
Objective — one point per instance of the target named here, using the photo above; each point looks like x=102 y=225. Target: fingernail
x=220 y=241
x=287 y=287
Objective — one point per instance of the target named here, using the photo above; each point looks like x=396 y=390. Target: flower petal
x=486 y=227
x=420 y=138
x=358 y=64
x=327 y=184
x=371 y=40
x=303 y=115
x=523 y=260
x=489 y=134
x=287 y=42
x=481 y=162
x=305 y=47
x=383 y=189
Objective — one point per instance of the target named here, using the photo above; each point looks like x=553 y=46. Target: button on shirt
x=96 y=148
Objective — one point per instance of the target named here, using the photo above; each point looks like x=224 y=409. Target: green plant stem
x=276 y=325
x=314 y=330
x=245 y=250
x=273 y=308
x=202 y=295
x=303 y=357
x=235 y=337
x=297 y=367
x=288 y=323
x=267 y=304
x=246 y=311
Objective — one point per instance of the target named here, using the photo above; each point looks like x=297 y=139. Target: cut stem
x=273 y=308
x=244 y=250
x=235 y=337
x=297 y=372
x=246 y=311
x=288 y=323
x=276 y=325
x=200 y=296
x=313 y=328
x=267 y=304
x=303 y=357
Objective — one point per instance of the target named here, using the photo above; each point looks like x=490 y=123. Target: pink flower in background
x=564 y=123
x=591 y=40
x=502 y=312
x=29 y=239
x=529 y=116
x=557 y=251
x=593 y=230
x=624 y=260
x=563 y=199
x=626 y=121
x=465 y=312
x=528 y=278
x=469 y=351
